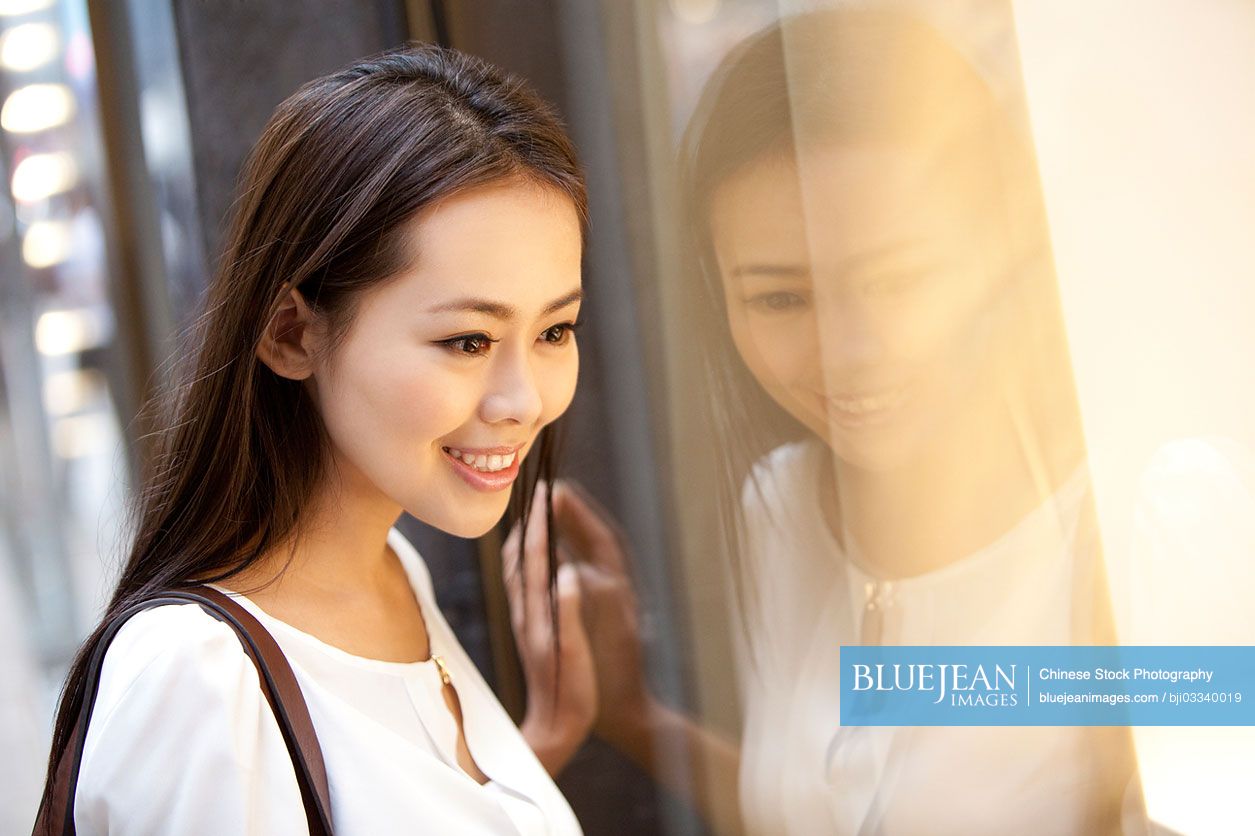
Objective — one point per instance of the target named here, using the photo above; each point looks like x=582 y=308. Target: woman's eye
x=777 y=300
x=559 y=334
x=471 y=344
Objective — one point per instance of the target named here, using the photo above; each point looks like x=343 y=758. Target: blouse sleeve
x=181 y=738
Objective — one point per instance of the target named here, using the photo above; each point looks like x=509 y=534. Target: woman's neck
x=343 y=583
x=340 y=548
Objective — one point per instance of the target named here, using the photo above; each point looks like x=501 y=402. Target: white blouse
x=182 y=740
x=801 y=771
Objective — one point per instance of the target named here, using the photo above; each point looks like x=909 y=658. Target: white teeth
x=489 y=463
x=868 y=404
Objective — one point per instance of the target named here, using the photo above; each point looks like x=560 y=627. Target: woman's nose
x=513 y=394
x=850 y=336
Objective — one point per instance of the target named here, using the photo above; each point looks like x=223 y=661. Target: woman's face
x=858 y=281
x=450 y=370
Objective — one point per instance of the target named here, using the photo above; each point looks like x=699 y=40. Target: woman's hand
x=609 y=671
x=593 y=544
x=561 y=699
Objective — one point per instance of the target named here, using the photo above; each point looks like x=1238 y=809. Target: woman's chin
x=465 y=522
x=474 y=532
x=874 y=453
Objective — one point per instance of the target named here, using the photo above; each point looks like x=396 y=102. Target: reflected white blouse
x=182 y=740
x=801 y=771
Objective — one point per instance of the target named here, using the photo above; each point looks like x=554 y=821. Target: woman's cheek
x=779 y=350
x=437 y=401
x=558 y=384
x=357 y=407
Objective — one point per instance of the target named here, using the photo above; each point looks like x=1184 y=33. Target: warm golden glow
x=71 y=391
x=695 y=11
x=13 y=8
x=80 y=435
x=28 y=46
x=46 y=243
x=37 y=107
x=40 y=176
x=65 y=332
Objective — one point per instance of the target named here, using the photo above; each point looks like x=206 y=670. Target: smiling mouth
x=487 y=469
x=864 y=409
x=867 y=404
x=484 y=462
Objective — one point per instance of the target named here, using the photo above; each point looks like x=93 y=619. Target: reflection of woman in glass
x=868 y=218
x=390 y=329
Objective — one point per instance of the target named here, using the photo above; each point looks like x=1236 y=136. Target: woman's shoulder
x=180 y=733
x=166 y=631
x=789 y=456
x=180 y=738
x=783 y=479
x=168 y=646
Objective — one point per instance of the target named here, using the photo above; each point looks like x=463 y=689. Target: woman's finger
x=570 y=598
x=589 y=526
x=535 y=572
x=511 y=579
x=510 y=552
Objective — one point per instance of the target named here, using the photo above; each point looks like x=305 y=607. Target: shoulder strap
x=278 y=683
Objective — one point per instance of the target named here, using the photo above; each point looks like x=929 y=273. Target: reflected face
x=858 y=283
x=451 y=369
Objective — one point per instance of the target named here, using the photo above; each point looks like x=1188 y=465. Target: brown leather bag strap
x=288 y=703
x=278 y=683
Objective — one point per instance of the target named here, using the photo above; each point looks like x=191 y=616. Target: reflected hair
x=839 y=76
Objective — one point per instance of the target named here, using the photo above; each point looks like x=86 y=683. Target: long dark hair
x=322 y=201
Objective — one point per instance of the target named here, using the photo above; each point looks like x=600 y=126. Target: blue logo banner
x=1010 y=685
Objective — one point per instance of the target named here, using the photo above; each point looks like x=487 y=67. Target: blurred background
x=124 y=124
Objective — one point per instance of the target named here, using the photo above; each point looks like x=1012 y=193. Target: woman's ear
x=288 y=344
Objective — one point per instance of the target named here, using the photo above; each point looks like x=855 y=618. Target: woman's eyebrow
x=789 y=271
x=502 y=310
x=871 y=256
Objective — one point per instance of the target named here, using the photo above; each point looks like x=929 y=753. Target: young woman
x=391 y=328
x=901 y=453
